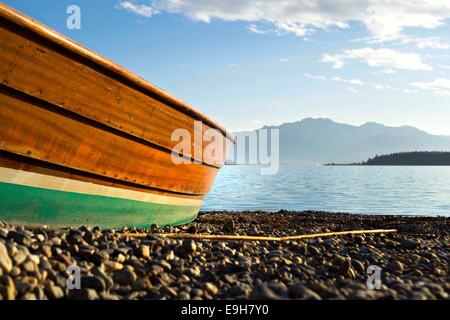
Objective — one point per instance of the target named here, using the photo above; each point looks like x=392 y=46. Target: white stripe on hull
x=38 y=180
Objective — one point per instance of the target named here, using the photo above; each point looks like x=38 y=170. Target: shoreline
x=293 y=211
x=413 y=262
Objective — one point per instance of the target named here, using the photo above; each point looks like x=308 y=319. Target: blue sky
x=247 y=63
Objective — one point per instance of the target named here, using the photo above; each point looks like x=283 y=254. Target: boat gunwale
x=119 y=71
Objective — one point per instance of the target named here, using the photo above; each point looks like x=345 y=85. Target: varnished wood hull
x=85 y=142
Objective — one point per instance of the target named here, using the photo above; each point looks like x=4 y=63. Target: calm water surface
x=371 y=190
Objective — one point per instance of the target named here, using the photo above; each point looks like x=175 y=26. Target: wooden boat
x=85 y=142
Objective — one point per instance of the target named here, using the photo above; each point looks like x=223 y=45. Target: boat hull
x=37 y=206
x=38 y=199
x=84 y=141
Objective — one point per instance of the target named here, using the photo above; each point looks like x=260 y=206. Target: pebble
x=105 y=277
x=93 y=282
x=15 y=271
x=409 y=244
x=112 y=265
x=245 y=262
x=189 y=246
x=298 y=290
x=54 y=292
x=346 y=269
x=29 y=296
x=229 y=279
x=5 y=260
x=358 y=265
x=46 y=251
x=210 y=288
x=124 y=277
x=229 y=226
x=395 y=266
x=19 y=258
x=83 y=294
x=263 y=292
x=20 y=237
x=168 y=291
x=29 y=266
x=3 y=233
x=33 y=262
x=142 y=284
x=109 y=296
x=7 y=292
x=100 y=257
x=312 y=250
x=144 y=251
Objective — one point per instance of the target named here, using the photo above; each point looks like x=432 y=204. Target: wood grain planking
x=34 y=130
x=14 y=161
x=38 y=69
x=39 y=30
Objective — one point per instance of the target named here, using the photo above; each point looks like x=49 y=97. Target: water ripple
x=371 y=190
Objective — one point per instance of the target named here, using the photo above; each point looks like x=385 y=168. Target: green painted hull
x=38 y=206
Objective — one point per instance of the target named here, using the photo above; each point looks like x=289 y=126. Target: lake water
x=354 y=189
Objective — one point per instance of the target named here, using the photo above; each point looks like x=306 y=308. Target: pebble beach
x=115 y=265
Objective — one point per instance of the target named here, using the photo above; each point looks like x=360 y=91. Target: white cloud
x=349 y=81
x=385 y=58
x=388 y=18
x=139 y=9
x=310 y=76
x=337 y=61
x=255 y=29
x=354 y=82
x=385 y=19
x=427 y=43
x=440 y=86
x=352 y=90
x=382 y=87
x=388 y=71
x=284 y=60
x=442 y=66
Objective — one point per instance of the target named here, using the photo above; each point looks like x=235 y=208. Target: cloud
x=442 y=66
x=350 y=81
x=354 y=82
x=336 y=60
x=352 y=90
x=439 y=86
x=385 y=58
x=427 y=43
x=139 y=9
x=388 y=71
x=384 y=19
x=388 y=18
x=382 y=87
x=255 y=29
x=284 y=60
x=310 y=76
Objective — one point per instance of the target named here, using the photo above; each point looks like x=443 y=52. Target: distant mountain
x=325 y=141
x=417 y=158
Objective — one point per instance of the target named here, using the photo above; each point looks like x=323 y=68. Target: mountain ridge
x=322 y=140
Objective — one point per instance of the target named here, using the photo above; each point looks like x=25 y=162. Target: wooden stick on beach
x=254 y=238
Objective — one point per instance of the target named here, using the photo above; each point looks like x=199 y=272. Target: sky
x=252 y=63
